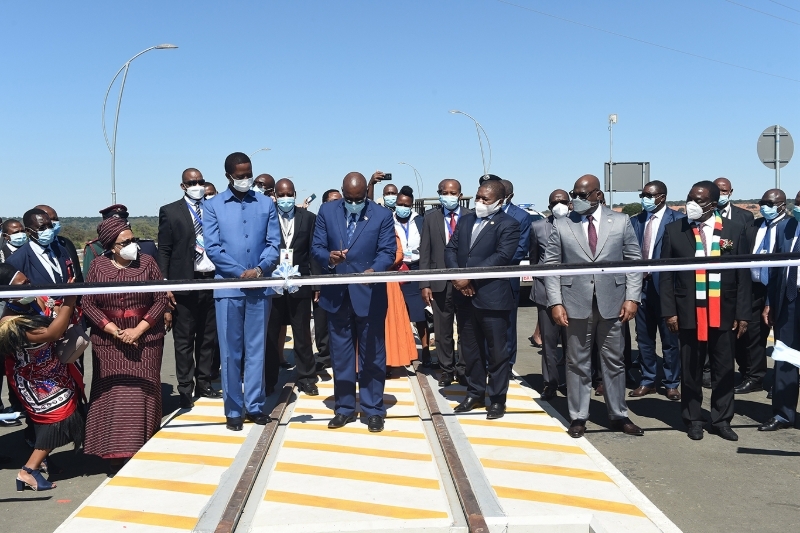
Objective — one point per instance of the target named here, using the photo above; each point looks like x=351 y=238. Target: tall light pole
x=479 y=129
x=112 y=147
x=259 y=150
x=417 y=176
x=612 y=119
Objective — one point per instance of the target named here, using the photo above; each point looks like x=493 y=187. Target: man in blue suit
x=783 y=314
x=649 y=228
x=241 y=236
x=354 y=235
x=41 y=259
x=486 y=238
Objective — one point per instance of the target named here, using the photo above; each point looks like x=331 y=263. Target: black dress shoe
x=186 y=402
x=234 y=424
x=340 y=421
x=260 y=419
x=577 y=428
x=725 y=432
x=548 y=393
x=208 y=392
x=287 y=365
x=467 y=405
x=495 y=411
x=748 y=385
x=695 y=432
x=445 y=379
x=562 y=389
x=309 y=389
x=773 y=424
x=375 y=424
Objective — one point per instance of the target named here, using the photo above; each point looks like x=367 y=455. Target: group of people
x=705 y=319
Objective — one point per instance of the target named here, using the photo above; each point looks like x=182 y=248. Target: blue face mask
x=56 y=227
x=649 y=204
x=18 y=239
x=402 y=211
x=390 y=200
x=723 y=200
x=354 y=209
x=46 y=236
x=448 y=202
x=796 y=213
x=286 y=204
x=769 y=212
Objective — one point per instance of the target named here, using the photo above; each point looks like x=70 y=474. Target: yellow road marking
x=386 y=389
x=389 y=511
x=370 y=452
x=512 y=425
x=138 y=517
x=546 y=469
x=530 y=445
x=199 y=437
x=309 y=411
x=182 y=458
x=163 y=484
x=358 y=430
x=572 y=501
x=199 y=418
x=209 y=403
x=356 y=475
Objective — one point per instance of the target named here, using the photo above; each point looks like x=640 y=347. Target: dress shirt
x=11 y=247
x=760 y=235
x=479 y=221
x=411 y=242
x=446 y=214
x=794 y=241
x=287 y=226
x=708 y=231
x=595 y=220
x=654 y=219
x=202 y=263
x=49 y=262
x=725 y=212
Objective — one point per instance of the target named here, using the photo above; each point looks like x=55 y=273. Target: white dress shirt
x=50 y=264
x=203 y=263
x=595 y=220
x=287 y=226
x=409 y=238
x=755 y=273
x=725 y=212
x=794 y=241
x=654 y=219
x=446 y=214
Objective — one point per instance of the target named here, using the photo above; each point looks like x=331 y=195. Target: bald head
x=191 y=174
x=354 y=187
x=775 y=196
x=450 y=186
x=49 y=210
x=587 y=182
x=266 y=181
x=558 y=196
x=284 y=188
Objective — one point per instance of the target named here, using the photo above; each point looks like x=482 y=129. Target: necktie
x=452 y=225
x=703 y=238
x=791 y=280
x=351 y=227
x=764 y=248
x=476 y=231
x=648 y=237
x=592 y=235
x=198 y=231
x=54 y=263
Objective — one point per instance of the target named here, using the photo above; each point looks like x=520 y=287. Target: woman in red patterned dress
x=128 y=343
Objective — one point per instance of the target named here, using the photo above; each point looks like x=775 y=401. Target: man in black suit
x=486 y=238
x=705 y=325
x=182 y=256
x=751 y=348
x=437 y=229
x=42 y=259
x=64 y=242
x=726 y=208
x=13 y=237
x=293 y=309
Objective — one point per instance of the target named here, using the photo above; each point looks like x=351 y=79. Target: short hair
x=496 y=187
x=30 y=215
x=711 y=186
x=7 y=224
x=236 y=158
x=327 y=194
x=405 y=190
x=509 y=187
x=660 y=185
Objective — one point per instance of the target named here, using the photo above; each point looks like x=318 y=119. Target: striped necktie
x=198 y=231
x=351 y=228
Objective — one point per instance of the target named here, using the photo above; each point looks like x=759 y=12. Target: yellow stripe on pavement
x=198 y=437
x=369 y=452
x=163 y=484
x=572 y=501
x=208 y=403
x=530 y=445
x=207 y=460
x=358 y=430
x=546 y=469
x=330 y=413
x=389 y=511
x=356 y=475
x=512 y=425
x=138 y=517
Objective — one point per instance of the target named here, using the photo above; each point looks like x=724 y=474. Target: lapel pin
x=366 y=218
x=491 y=222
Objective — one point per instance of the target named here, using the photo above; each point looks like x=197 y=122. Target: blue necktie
x=351 y=228
x=764 y=248
x=51 y=256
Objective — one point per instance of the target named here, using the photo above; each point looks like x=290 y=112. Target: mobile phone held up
x=387 y=177
x=311 y=198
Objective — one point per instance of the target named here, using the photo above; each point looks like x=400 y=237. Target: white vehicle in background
x=526 y=282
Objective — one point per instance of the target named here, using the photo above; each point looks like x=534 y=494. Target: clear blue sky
x=338 y=86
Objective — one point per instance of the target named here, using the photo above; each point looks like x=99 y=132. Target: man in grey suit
x=552 y=359
x=594 y=307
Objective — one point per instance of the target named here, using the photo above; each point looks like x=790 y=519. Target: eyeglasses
x=648 y=195
x=127 y=242
x=770 y=203
x=564 y=202
x=582 y=195
x=193 y=183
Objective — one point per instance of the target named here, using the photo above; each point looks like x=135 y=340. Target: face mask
x=129 y=252
x=354 y=209
x=390 y=200
x=46 y=236
x=56 y=227
x=649 y=204
x=560 y=210
x=484 y=210
x=769 y=212
x=448 y=201
x=286 y=204
x=196 y=192
x=723 y=200
x=796 y=213
x=694 y=211
x=210 y=196
x=581 y=206
x=18 y=239
x=243 y=185
x=27 y=300
x=402 y=211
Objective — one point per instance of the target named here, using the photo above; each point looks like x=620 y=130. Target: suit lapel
x=605 y=224
x=33 y=258
x=366 y=214
x=576 y=227
x=668 y=217
x=484 y=231
x=341 y=223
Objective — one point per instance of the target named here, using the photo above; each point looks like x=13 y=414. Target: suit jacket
x=616 y=241
x=494 y=246
x=302 y=239
x=5 y=252
x=639 y=221
x=742 y=216
x=523 y=218
x=432 y=244
x=784 y=235
x=69 y=247
x=759 y=292
x=176 y=240
x=373 y=247
x=678 y=288
x=540 y=233
x=26 y=261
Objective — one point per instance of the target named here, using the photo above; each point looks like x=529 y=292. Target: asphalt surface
x=707 y=486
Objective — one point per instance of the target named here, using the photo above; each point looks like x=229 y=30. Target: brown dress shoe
x=599 y=390
x=626 y=426
x=642 y=391
x=674 y=395
x=577 y=428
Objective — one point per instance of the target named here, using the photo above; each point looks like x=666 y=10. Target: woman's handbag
x=72 y=344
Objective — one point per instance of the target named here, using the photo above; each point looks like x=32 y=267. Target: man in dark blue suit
x=486 y=238
x=783 y=314
x=41 y=259
x=354 y=235
x=649 y=227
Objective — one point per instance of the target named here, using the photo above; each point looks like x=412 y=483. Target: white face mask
x=560 y=210
x=693 y=210
x=196 y=192
x=129 y=252
x=243 y=185
x=484 y=210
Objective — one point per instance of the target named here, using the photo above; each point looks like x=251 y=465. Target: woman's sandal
x=41 y=482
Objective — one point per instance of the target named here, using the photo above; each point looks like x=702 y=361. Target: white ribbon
x=286 y=271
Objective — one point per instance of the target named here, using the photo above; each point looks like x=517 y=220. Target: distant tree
x=632 y=209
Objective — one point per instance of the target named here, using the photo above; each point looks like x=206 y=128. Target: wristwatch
x=260 y=272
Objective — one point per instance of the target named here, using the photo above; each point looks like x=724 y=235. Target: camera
x=387 y=177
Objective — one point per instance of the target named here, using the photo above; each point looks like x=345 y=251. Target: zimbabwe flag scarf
x=707 y=284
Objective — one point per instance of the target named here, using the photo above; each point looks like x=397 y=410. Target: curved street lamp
x=112 y=147
x=259 y=150
x=478 y=129
x=417 y=176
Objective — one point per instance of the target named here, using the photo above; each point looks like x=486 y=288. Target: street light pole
x=479 y=129
x=612 y=119
x=112 y=147
x=259 y=150
x=417 y=176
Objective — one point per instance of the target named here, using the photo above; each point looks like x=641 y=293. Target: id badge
x=407 y=254
x=287 y=255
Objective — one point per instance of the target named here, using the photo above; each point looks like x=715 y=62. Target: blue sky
x=337 y=86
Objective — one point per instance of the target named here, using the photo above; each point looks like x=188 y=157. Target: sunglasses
x=770 y=203
x=193 y=183
x=127 y=242
x=582 y=195
x=355 y=201
x=648 y=195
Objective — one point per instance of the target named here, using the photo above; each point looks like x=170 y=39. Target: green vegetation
x=81 y=230
x=632 y=209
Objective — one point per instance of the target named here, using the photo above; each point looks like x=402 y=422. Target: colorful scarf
x=707 y=284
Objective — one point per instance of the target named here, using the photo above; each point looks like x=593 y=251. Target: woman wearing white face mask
x=128 y=342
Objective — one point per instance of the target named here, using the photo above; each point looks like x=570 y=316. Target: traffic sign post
x=775 y=148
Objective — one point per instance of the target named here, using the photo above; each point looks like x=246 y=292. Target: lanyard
x=286 y=229
x=406 y=228
x=195 y=215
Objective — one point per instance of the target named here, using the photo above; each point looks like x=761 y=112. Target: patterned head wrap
x=109 y=230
